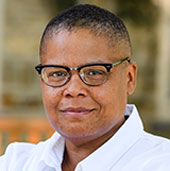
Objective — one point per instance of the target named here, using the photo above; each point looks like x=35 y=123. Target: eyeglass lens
x=92 y=75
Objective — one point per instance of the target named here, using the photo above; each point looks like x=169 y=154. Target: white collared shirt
x=130 y=149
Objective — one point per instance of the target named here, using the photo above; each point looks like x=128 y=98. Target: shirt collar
x=52 y=151
x=113 y=149
x=109 y=153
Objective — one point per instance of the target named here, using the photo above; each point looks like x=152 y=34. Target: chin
x=79 y=139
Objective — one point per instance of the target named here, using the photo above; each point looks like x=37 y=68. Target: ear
x=131 y=77
x=41 y=81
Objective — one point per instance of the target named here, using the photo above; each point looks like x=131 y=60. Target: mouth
x=76 y=111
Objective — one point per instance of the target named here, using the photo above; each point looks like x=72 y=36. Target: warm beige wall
x=2 y=23
x=108 y=4
x=24 y=23
x=163 y=63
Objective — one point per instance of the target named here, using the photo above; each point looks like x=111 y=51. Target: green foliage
x=140 y=12
x=64 y=4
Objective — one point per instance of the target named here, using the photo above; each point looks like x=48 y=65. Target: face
x=79 y=112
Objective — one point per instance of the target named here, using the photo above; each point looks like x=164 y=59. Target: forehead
x=79 y=45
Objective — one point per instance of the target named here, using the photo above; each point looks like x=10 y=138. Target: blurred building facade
x=21 y=26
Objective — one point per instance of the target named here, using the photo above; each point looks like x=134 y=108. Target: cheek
x=51 y=97
x=113 y=97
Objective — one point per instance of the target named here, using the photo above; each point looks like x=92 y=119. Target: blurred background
x=22 y=23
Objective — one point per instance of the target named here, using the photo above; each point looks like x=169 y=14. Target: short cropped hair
x=98 y=20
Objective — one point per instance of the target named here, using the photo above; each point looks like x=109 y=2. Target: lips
x=76 y=111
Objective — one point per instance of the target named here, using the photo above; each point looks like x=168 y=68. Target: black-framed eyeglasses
x=91 y=74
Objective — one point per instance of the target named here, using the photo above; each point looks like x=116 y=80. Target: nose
x=75 y=87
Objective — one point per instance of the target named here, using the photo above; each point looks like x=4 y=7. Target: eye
x=57 y=74
x=94 y=72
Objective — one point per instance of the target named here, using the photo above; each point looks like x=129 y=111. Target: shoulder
x=154 y=147
x=17 y=148
x=16 y=153
x=26 y=156
x=153 y=153
x=157 y=143
x=150 y=152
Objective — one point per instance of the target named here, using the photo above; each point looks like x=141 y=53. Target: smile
x=76 y=111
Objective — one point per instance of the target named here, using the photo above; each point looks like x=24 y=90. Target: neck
x=74 y=153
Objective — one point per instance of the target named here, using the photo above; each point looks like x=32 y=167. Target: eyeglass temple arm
x=117 y=63
x=38 y=68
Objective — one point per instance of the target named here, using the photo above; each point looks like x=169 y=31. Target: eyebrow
x=96 y=61
x=99 y=61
